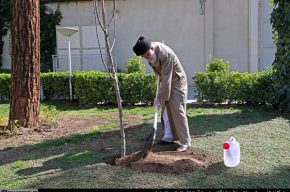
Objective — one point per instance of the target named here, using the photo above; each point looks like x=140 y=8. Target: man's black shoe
x=162 y=142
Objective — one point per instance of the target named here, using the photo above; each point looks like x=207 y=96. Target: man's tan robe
x=172 y=91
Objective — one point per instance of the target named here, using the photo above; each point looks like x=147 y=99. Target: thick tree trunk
x=25 y=87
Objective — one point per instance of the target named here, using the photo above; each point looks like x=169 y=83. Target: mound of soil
x=168 y=161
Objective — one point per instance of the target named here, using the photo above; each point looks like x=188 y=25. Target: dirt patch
x=163 y=159
x=168 y=161
x=67 y=125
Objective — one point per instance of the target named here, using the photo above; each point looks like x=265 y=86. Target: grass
x=68 y=162
x=76 y=138
x=4 y=113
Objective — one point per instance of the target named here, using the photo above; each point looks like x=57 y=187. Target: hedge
x=5 y=81
x=92 y=87
x=244 y=88
x=55 y=85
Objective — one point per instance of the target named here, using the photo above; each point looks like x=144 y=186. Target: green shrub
x=211 y=86
x=129 y=88
x=217 y=65
x=94 y=87
x=137 y=87
x=135 y=64
x=5 y=81
x=148 y=88
x=244 y=88
x=55 y=85
x=264 y=82
x=5 y=70
x=280 y=20
x=98 y=88
x=235 y=82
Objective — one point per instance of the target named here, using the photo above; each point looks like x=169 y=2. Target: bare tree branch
x=96 y=12
x=113 y=15
x=112 y=70
x=97 y=18
x=104 y=18
x=95 y=7
x=114 y=40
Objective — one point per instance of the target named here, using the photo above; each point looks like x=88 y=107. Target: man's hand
x=157 y=103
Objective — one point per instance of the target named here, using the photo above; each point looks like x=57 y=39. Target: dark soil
x=163 y=159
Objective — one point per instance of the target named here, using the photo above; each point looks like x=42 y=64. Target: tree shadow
x=80 y=150
x=206 y=124
x=276 y=178
x=75 y=106
x=65 y=161
x=220 y=177
x=76 y=150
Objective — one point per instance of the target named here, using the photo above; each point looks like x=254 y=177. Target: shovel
x=151 y=138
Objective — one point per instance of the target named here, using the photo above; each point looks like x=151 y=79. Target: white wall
x=223 y=31
x=231 y=33
x=6 y=59
x=177 y=23
x=159 y=21
x=85 y=50
x=267 y=47
x=76 y=13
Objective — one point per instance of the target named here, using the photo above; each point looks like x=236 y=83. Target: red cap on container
x=226 y=145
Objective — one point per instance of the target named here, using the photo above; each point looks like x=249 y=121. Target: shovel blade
x=149 y=144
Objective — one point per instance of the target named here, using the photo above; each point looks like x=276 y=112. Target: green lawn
x=73 y=162
x=4 y=110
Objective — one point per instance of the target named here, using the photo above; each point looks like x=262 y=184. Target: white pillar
x=253 y=35
x=70 y=69
x=208 y=30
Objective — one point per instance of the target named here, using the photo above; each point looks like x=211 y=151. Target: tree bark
x=25 y=72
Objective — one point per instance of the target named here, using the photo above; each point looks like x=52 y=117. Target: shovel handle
x=156 y=108
x=155 y=118
x=150 y=140
x=157 y=85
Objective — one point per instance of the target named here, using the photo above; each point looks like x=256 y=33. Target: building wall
x=267 y=47
x=179 y=24
x=223 y=31
x=6 y=59
x=231 y=33
x=176 y=23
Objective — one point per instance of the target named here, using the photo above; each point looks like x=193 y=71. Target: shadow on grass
x=87 y=149
x=65 y=161
x=278 y=177
x=79 y=150
x=75 y=106
x=220 y=178
x=207 y=124
x=97 y=144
